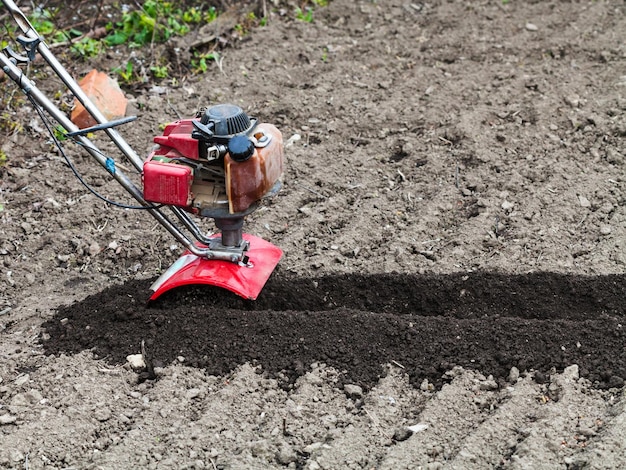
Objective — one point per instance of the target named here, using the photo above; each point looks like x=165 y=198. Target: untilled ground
x=452 y=289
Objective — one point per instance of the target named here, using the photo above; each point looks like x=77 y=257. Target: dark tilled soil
x=358 y=323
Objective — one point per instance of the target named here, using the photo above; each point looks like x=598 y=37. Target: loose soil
x=451 y=295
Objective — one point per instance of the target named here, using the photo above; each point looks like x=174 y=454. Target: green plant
x=87 y=47
x=127 y=73
x=307 y=16
x=156 y=21
x=59 y=133
x=210 y=15
x=8 y=124
x=159 y=71
x=199 y=63
x=321 y=3
x=3 y=161
x=41 y=19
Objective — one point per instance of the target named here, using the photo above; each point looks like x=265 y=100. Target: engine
x=218 y=164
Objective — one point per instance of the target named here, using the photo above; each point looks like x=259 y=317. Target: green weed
x=159 y=71
x=200 y=62
x=156 y=21
x=306 y=16
x=126 y=73
x=87 y=47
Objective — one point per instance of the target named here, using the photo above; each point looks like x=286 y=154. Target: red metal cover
x=167 y=183
x=245 y=281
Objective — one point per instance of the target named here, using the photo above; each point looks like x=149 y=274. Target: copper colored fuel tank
x=248 y=181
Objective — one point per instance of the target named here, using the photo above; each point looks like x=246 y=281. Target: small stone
x=34 y=396
x=419 y=427
x=402 y=434
x=572 y=100
x=19 y=399
x=571 y=372
x=181 y=358
x=507 y=206
x=192 y=393
x=136 y=361
x=584 y=202
x=16 y=455
x=587 y=432
x=21 y=380
x=312 y=447
x=531 y=27
x=102 y=414
x=305 y=210
x=286 y=455
x=94 y=249
x=605 y=229
x=353 y=391
x=260 y=448
x=489 y=384
x=513 y=375
x=7 y=419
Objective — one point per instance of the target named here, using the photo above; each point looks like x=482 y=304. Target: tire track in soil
x=357 y=323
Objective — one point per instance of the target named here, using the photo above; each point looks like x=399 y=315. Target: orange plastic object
x=105 y=93
x=245 y=281
x=247 y=182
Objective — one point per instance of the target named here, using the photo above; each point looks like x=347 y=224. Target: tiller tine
x=245 y=280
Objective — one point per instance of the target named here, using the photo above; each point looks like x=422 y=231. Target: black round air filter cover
x=228 y=120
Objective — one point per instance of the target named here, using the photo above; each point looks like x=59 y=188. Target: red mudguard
x=245 y=281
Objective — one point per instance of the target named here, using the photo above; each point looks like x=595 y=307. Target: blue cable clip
x=110 y=165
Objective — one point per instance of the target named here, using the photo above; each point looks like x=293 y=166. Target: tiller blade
x=245 y=280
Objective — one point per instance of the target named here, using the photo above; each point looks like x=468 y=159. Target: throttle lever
x=201 y=132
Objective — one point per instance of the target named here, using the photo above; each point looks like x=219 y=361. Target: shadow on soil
x=354 y=323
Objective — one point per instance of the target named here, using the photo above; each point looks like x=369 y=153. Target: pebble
x=605 y=229
x=22 y=380
x=192 y=393
x=286 y=455
x=572 y=100
x=260 y=448
x=136 y=361
x=312 y=447
x=353 y=391
x=531 y=27
x=402 y=434
x=7 y=419
x=584 y=202
x=94 y=249
x=489 y=384
x=102 y=414
x=507 y=205
x=514 y=375
x=16 y=455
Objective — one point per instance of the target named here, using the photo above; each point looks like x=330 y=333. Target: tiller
x=218 y=165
